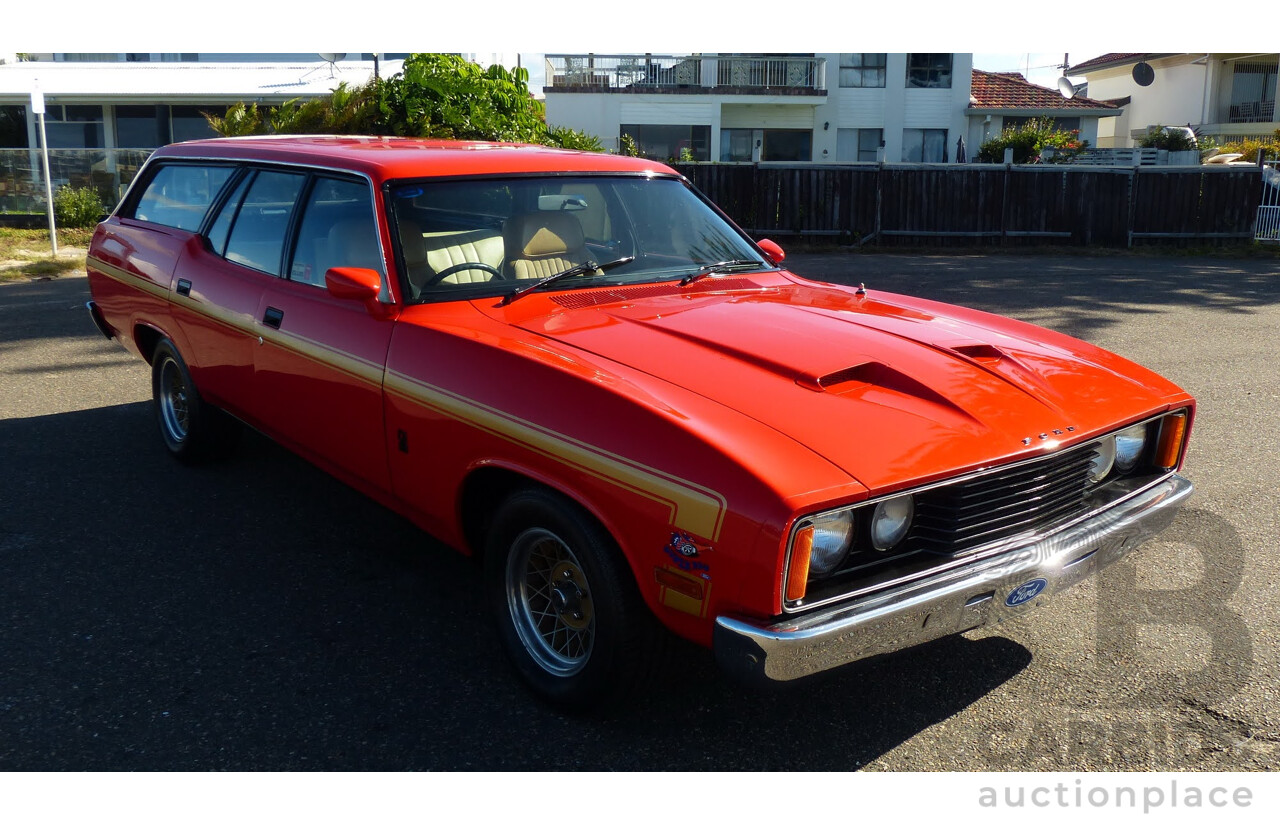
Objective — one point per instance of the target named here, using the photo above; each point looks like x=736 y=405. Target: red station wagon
x=575 y=367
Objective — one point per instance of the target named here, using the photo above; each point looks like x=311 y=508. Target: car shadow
x=256 y=614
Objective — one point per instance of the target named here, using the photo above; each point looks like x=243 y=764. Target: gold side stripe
x=124 y=276
x=691 y=507
x=323 y=354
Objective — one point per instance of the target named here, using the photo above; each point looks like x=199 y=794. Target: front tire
x=568 y=613
x=192 y=431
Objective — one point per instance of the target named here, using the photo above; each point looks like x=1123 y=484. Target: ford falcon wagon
x=577 y=369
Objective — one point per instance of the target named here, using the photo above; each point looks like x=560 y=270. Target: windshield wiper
x=718 y=266
x=580 y=269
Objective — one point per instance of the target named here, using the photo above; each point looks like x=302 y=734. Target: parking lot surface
x=258 y=615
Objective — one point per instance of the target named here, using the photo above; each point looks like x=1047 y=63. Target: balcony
x=686 y=74
x=1257 y=111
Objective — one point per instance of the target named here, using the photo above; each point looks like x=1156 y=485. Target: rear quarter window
x=179 y=195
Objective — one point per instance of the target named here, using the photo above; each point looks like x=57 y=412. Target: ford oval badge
x=1024 y=593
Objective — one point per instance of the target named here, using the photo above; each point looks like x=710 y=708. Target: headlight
x=1104 y=460
x=890 y=522
x=1129 y=446
x=832 y=537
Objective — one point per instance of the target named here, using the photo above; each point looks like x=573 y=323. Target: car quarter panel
x=130 y=267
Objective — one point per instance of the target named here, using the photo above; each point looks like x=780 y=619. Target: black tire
x=191 y=430
x=566 y=606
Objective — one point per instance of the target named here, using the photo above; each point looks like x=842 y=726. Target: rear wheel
x=190 y=429
x=566 y=606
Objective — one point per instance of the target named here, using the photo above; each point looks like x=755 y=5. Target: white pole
x=37 y=105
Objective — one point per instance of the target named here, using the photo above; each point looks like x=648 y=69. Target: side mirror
x=353 y=283
x=771 y=249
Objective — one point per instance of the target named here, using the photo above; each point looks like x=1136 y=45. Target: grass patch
x=26 y=253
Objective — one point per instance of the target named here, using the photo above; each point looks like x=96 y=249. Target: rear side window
x=180 y=194
x=262 y=221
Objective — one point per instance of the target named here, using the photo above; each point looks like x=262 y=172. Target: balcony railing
x=690 y=73
x=771 y=72
x=1258 y=111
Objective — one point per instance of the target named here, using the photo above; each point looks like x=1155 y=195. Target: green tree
x=434 y=95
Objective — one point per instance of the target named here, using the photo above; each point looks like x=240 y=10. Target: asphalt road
x=257 y=615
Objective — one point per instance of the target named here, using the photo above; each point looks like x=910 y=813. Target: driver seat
x=426 y=254
x=544 y=243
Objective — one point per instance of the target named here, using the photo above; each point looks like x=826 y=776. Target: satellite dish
x=1066 y=88
x=1143 y=74
x=332 y=57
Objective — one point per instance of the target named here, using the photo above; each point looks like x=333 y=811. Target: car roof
x=385 y=158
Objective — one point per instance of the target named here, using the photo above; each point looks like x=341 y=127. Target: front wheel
x=565 y=603
x=190 y=429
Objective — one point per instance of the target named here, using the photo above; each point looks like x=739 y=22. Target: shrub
x=1250 y=147
x=627 y=146
x=1029 y=140
x=77 y=207
x=1173 y=140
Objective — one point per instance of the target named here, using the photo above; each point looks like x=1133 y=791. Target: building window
x=787 y=144
x=668 y=142
x=858 y=144
x=924 y=145
x=188 y=122
x=862 y=71
x=147 y=127
x=929 y=71
x=736 y=144
x=1062 y=124
x=13 y=127
x=74 y=127
x=142 y=127
x=1253 y=93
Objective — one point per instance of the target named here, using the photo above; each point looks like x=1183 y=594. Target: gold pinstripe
x=692 y=507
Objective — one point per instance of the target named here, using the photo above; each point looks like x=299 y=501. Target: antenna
x=332 y=58
x=1065 y=87
x=1143 y=74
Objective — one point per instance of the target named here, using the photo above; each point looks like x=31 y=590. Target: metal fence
x=927 y=204
x=108 y=171
x=1267 y=226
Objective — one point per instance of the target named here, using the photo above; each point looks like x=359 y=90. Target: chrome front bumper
x=990 y=590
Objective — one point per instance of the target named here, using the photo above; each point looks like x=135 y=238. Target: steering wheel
x=445 y=273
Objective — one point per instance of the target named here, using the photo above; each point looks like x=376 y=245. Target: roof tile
x=1010 y=90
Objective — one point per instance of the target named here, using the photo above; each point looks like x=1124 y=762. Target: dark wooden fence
x=987 y=204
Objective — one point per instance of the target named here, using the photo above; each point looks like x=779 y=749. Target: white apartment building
x=740 y=107
x=1227 y=95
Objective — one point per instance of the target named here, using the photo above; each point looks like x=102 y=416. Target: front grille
x=1032 y=497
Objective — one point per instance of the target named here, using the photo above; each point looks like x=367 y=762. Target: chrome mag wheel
x=550 y=602
x=175 y=410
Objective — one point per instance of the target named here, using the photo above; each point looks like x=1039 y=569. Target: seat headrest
x=412 y=244
x=544 y=234
x=354 y=242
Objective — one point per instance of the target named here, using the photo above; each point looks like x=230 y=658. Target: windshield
x=492 y=236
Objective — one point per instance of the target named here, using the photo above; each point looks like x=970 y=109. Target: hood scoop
x=875 y=381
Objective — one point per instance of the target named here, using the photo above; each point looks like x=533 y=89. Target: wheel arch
x=146 y=337
x=486 y=486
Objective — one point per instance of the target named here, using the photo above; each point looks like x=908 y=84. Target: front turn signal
x=1173 y=431
x=798 y=574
